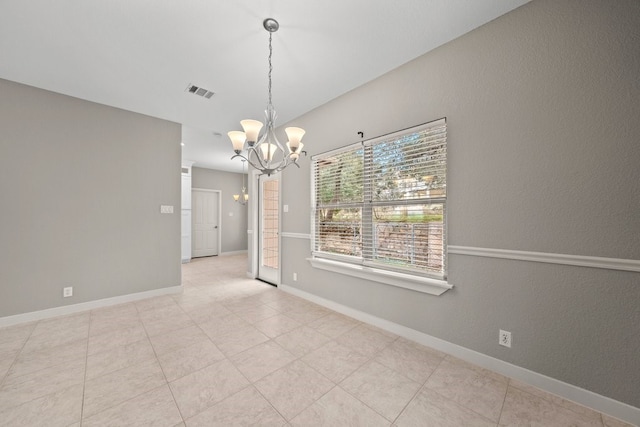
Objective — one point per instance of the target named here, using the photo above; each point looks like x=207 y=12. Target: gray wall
x=81 y=186
x=542 y=111
x=234 y=215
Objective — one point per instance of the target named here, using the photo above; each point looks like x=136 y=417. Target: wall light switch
x=285 y=208
x=166 y=209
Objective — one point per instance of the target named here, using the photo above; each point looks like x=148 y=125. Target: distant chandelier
x=268 y=154
x=244 y=197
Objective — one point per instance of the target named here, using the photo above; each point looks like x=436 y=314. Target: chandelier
x=242 y=198
x=267 y=155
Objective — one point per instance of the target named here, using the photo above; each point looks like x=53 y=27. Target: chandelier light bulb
x=295 y=136
x=252 y=130
x=237 y=140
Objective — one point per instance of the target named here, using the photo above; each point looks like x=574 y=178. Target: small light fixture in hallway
x=242 y=198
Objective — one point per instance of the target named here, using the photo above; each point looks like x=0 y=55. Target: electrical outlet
x=295 y=277
x=67 y=292
x=504 y=338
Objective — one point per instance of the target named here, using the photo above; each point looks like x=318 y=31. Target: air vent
x=200 y=91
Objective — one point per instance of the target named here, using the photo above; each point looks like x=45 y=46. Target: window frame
x=365 y=266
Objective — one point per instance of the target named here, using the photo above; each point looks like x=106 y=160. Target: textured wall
x=234 y=226
x=542 y=112
x=81 y=186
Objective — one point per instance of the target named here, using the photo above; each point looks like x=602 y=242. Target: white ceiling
x=140 y=55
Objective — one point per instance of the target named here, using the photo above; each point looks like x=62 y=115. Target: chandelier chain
x=270 y=66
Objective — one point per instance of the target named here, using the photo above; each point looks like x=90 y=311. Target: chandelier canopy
x=265 y=153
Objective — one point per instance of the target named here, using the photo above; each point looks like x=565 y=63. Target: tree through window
x=383 y=202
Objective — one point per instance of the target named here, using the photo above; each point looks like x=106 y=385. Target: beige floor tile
x=192 y=301
x=335 y=361
x=334 y=324
x=257 y=314
x=301 y=341
x=204 y=388
x=429 y=408
x=177 y=339
x=117 y=387
x=208 y=313
x=240 y=305
x=167 y=324
x=154 y=313
x=245 y=408
x=127 y=310
x=410 y=359
x=50 y=337
x=307 y=313
x=339 y=408
x=153 y=408
x=189 y=359
x=381 y=388
x=286 y=302
x=154 y=303
x=365 y=340
x=6 y=361
x=239 y=340
x=469 y=387
x=276 y=325
x=522 y=408
x=62 y=408
x=261 y=360
x=113 y=339
x=293 y=388
x=34 y=361
x=118 y=358
x=61 y=324
x=104 y=325
x=556 y=399
x=223 y=325
x=12 y=338
x=18 y=390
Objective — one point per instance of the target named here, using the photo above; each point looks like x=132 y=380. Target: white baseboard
x=83 y=306
x=233 y=253
x=570 y=392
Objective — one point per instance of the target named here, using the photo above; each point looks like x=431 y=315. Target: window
x=381 y=204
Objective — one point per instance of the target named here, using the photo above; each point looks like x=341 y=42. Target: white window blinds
x=382 y=203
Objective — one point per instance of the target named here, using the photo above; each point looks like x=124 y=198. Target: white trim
x=579 y=395
x=408 y=281
x=295 y=235
x=83 y=306
x=551 y=258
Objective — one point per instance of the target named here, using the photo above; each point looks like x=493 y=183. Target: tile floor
x=232 y=351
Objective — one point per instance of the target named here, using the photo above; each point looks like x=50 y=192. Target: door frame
x=256 y=229
x=207 y=190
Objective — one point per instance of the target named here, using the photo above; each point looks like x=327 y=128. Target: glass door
x=269 y=232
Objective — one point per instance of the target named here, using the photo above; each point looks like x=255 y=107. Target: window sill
x=419 y=284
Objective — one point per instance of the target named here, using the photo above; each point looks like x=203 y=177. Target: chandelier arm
x=253 y=165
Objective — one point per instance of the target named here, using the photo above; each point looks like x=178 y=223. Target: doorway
x=205 y=222
x=269 y=229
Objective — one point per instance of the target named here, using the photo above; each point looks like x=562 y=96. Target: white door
x=269 y=228
x=205 y=214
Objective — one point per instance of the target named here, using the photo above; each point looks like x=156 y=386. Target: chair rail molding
x=550 y=258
